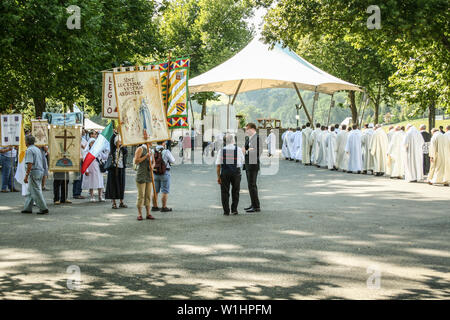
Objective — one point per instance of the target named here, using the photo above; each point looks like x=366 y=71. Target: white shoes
x=92 y=199
x=101 y=199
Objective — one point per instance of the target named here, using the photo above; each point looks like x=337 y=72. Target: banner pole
x=153 y=177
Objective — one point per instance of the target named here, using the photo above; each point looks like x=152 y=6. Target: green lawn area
x=418 y=122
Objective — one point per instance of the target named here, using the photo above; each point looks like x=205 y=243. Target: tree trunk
x=351 y=96
x=432 y=116
x=377 y=105
x=39 y=106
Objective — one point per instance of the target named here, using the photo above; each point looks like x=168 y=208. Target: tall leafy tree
x=42 y=58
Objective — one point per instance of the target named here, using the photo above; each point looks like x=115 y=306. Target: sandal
x=140 y=218
x=150 y=217
x=114 y=206
x=123 y=205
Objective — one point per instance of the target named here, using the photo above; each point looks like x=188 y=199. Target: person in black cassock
x=252 y=150
x=426 y=158
x=115 y=184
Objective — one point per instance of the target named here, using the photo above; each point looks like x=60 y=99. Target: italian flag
x=99 y=145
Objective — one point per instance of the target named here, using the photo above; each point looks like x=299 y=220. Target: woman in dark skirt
x=115 y=184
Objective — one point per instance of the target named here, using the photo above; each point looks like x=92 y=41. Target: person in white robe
x=390 y=133
x=366 y=141
x=285 y=147
x=413 y=147
x=306 y=145
x=447 y=157
x=341 y=141
x=290 y=144
x=323 y=148
x=353 y=149
x=396 y=154
x=297 y=145
x=93 y=178
x=378 y=149
x=331 y=145
x=314 y=142
x=271 y=143
x=437 y=157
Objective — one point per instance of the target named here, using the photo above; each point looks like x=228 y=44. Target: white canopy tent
x=91 y=125
x=259 y=67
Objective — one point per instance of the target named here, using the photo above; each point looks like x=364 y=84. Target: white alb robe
x=323 y=153
x=285 y=147
x=314 y=142
x=331 y=143
x=297 y=145
x=306 y=145
x=447 y=158
x=413 y=147
x=396 y=154
x=271 y=143
x=341 y=141
x=378 y=150
x=437 y=152
x=366 y=141
x=353 y=147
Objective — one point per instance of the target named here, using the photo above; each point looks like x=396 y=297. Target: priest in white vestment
x=413 y=146
x=314 y=142
x=390 y=133
x=341 y=141
x=271 y=143
x=353 y=149
x=306 y=145
x=436 y=152
x=447 y=157
x=396 y=154
x=285 y=147
x=378 y=150
x=331 y=146
x=297 y=145
x=366 y=141
x=290 y=143
x=322 y=157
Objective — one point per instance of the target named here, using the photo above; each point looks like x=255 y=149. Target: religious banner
x=64 y=119
x=142 y=118
x=10 y=129
x=64 y=148
x=109 y=105
x=39 y=130
x=174 y=87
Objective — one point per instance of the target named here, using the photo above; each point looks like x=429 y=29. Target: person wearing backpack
x=163 y=159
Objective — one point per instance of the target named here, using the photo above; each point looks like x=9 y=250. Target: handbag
x=108 y=165
x=101 y=165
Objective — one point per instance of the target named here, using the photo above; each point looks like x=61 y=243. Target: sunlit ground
x=320 y=235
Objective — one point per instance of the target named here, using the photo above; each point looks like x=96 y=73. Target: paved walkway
x=321 y=234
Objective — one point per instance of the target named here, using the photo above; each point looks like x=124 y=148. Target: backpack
x=160 y=165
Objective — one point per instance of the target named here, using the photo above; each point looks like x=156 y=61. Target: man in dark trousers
x=426 y=159
x=229 y=162
x=253 y=149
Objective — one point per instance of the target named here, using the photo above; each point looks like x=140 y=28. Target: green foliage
x=42 y=58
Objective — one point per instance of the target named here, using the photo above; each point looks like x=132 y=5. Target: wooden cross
x=65 y=137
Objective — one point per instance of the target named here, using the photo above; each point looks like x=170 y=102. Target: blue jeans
x=7 y=172
x=76 y=190
x=35 y=191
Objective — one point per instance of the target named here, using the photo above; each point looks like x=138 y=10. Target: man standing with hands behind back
x=252 y=151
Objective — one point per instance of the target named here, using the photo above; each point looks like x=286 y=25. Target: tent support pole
x=192 y=113
x=303 y=103
x=329 y=110
x=232 y=103
x=314 y=105
x=365 y=102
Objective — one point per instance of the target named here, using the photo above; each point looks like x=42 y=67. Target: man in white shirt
x=229 y=162
x=162 y=176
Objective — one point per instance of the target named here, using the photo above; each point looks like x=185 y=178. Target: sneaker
x=166 y=209
x=56 y=203
x=92 y=199
x=68 y=202
x=43 y=211
x=156 y=209
x=101 y=199
x=25 y=211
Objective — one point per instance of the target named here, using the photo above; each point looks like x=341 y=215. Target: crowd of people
x=401 y=153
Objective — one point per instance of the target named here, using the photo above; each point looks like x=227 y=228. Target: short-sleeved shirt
x=240 y=155
x=10 y=154
x=167 y=156
x=34 y=156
